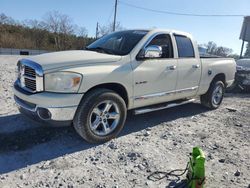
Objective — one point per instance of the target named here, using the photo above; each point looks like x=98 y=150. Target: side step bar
x=165 y=106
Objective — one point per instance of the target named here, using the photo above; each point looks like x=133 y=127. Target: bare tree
x=6 y=20
x=213 y=49
x=235 y=56
x=82 y=32
x=34 y=24
x=106 y=29
x=223 y=51
x=61 y=26
x=56 y=32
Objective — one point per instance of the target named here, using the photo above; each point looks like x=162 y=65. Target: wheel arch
x=206 y=98
x=116 y=87
x=221 y=77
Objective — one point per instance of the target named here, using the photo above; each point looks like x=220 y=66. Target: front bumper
x=45 y=107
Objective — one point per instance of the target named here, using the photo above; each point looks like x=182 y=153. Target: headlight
x=65 y=82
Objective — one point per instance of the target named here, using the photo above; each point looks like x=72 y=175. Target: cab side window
x=185 y=46
x=164 y=41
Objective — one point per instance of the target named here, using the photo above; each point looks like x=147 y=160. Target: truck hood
x=72 y=58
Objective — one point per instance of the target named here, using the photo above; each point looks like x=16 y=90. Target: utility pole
x=115 y=15
x=245 y=33
x=242 y=47
x=243 y=40
x=97 y=30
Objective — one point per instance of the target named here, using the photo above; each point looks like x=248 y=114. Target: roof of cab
x=151 y=31
x=170 y=31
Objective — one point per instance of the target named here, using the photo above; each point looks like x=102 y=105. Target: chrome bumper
x=60 y=115
x=56 y=113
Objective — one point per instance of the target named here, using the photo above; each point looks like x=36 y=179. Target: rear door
x=189 y=67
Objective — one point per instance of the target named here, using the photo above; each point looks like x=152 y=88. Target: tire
x=100 y=116
x=214 y=96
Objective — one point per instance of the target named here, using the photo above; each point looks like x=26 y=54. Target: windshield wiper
x=100 y=49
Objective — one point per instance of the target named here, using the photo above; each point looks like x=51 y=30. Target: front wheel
x=214 y=96
x=100 y=116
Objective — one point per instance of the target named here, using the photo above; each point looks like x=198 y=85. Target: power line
x=180 y=14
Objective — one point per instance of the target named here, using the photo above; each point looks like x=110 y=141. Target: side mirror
x=150 y=52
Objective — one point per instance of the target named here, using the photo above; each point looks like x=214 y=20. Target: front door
x=155 y=79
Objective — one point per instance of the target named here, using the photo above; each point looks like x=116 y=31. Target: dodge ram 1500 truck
x=139 y=70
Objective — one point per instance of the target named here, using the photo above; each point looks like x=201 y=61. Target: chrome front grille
x=30 y=76
x=30 y=84
x=28 y=71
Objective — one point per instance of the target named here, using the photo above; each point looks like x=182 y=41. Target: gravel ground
x=36 y=156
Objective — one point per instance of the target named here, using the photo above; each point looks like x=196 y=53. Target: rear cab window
x=184 y=46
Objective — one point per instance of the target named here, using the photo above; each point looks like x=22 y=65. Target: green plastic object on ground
x=196 y=169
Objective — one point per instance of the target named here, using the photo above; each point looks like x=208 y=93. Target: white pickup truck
x=139 y=70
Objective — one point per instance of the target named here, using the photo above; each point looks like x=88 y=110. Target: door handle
x=196 y=66
x=173 y=67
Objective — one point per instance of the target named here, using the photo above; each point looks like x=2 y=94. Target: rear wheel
x=100 y=116
x=214 y=96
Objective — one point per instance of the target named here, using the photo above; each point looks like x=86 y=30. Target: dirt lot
x=35 y=156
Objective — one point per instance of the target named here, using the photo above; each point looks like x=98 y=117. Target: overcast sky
x=222 y=30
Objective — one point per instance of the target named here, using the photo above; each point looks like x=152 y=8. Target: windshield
x=118 y=43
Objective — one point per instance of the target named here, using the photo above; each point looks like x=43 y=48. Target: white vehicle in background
x=139 y=70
